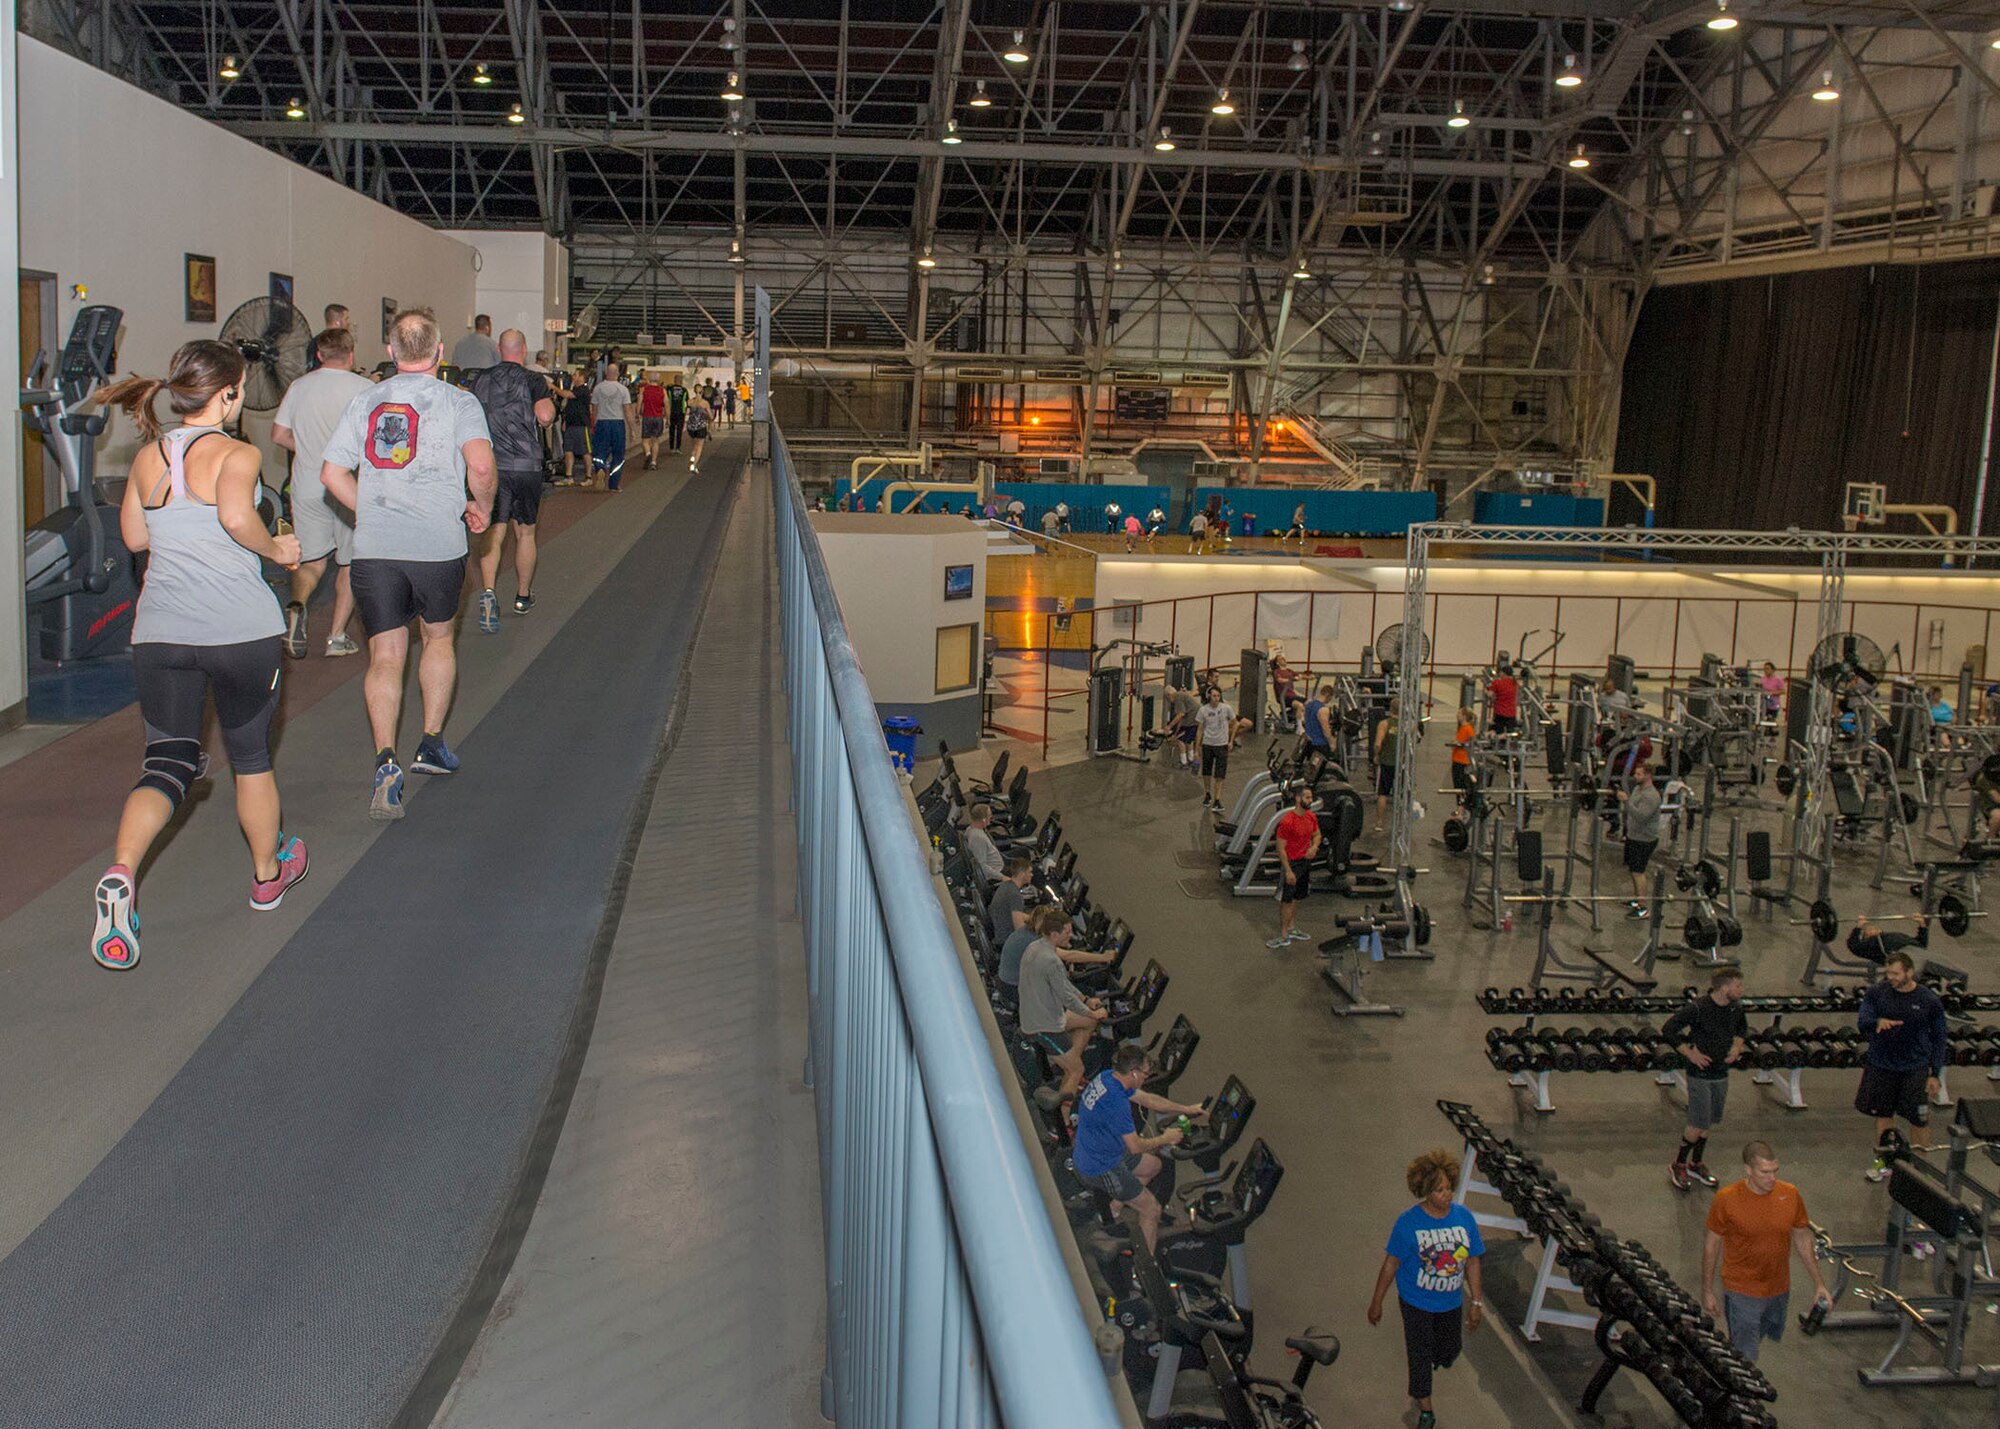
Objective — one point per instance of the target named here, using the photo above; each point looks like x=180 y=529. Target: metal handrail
x=1027 y=1347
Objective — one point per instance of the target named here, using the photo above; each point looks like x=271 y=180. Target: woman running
x=207 y=622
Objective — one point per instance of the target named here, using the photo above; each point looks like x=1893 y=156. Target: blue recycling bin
x=901 y=733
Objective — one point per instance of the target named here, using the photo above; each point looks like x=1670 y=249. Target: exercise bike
x=82 y=591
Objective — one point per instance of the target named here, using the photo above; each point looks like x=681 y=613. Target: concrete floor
x=1345 y=1103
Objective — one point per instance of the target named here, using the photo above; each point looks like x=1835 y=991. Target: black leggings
x=1432 y=1339
x=175 y=680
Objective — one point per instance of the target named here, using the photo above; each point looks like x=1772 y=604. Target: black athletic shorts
x=175 y=681
x=1300 y=888
x=1385 y=779
x=1215 y=761
x=651 y=427
x=390 y=594
x=518 y=497
x=1505 y=724
x=576 y=439
x=1886 y=1093
x=1638 y=854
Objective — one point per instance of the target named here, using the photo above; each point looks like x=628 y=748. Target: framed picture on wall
x=281 y=289
x=958 y=582
x=388 y=317
x=198 y=277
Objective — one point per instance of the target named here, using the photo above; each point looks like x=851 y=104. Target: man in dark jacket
x=1904 y=1023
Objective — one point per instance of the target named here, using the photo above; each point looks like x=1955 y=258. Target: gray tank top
x=201 y=587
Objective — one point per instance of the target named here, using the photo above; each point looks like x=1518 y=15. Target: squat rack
x=1832 y=550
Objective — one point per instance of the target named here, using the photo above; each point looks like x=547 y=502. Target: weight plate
x=1825 y=923
x=1787 y=779
x=1699 y=932
x=1456 y=837
x=1709 y=878
x=1420 y=923
x=1729 y=931
x=1911 y=808
x=1953 y=916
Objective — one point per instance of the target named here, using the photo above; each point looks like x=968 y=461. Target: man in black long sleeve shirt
x=1709 y=1033
x=1904 y=1023
x=1872 y=945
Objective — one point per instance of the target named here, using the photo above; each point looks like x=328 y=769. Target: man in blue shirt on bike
x=1108 y=1152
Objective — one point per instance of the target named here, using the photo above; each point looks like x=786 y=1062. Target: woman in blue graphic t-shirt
x=1432 y=1257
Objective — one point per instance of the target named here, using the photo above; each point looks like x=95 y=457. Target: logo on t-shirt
x=392 y=436
x=1441 y=1255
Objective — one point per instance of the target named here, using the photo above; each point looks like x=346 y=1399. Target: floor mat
x=1194 y=857
x=1205 y=888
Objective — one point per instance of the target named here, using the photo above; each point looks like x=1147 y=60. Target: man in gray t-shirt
x=1642 y=831
x=477 y=348
x=610 y=403
x=403 y=458
x=1050 y=1005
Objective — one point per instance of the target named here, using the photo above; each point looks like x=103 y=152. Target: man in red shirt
x=1298 y=843
x=1506 y=698
x=652 y=415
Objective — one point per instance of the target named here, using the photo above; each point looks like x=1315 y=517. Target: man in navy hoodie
x=1904 y=1024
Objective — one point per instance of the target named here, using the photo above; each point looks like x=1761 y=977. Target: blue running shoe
x=434 y=757
x=489 y=612
x=388 y=800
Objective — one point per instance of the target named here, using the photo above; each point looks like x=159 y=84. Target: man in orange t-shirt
x=1753 y=1228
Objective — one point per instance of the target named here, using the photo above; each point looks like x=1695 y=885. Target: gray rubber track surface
x=307 y=1225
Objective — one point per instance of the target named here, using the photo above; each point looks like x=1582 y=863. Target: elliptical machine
x=82 y=592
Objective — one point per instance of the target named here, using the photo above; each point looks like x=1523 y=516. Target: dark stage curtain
x=1755 y=401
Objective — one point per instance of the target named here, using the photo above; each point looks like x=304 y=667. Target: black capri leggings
x=1432 y=1339
x=175 y=680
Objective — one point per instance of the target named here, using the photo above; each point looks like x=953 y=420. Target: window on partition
x=957 y=648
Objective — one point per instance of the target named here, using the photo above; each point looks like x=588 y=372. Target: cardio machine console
x=91 y=354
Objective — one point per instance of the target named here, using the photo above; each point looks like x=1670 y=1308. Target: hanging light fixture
x=480 y=76
x=732 y=90
x=229 y=69
x=1375 y=145
x=729 y=32
x=1570 y=78
x=1722 y=19
x=1165 y=143
x=1399 y=5
x=1299 y=269
x=1828 y=91
x=736 y=250
x=515 y=116
x=296 y=109
x=1017 y=53
x=924 y=259
x=979 y=98
x=1579 y=160
x=951 y=132
x=1458 y=119
x=1117 y=261
x=1297 y=62
x=1222 y=104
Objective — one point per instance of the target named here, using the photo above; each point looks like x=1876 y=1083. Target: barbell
x=1953 y=918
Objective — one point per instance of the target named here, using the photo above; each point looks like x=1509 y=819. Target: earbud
x=232 y=394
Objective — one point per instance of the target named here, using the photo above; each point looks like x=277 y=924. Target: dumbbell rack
x=1548 y=1273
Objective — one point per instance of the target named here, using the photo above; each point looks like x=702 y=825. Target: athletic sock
x=433 y=736
x=1685 y=1154
x=384 y=755
x=1700 y=1146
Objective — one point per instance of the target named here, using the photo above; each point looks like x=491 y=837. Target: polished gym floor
x=1346 y=1102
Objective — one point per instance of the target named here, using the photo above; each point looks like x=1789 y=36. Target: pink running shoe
x=292 y=867
x=115 y=943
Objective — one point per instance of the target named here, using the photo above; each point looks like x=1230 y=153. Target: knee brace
x=171 y=766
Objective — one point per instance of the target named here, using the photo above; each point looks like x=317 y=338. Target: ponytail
x=135 y=394
x=197 y=371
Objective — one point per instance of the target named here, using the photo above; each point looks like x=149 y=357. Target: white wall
x=13 y=610
x=121 y=185
x=888 y=572
x=523 y=282
x=1665 y=619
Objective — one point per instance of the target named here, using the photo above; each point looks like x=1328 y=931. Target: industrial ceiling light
x=1117 y=261
x=951 y=132
x=1017 y=53
x=1828 y=91
x=1300 y=270
x=1722 y=19
x=1569 y=78
x=515 y=116
x=1399 y=5
x=979 y=98
x=296 y=109
x=733 y=89
x=1579 y=160
x=1375 y=145
x=1996 y=42
x=1298 y=60
x=924 y=259
x=1165 y=143
x=229 y=69
x=736 y=250
x=729 y=32
x=480 y=76
x=1458 y=119
x=1687 y=123
x=1222 y=104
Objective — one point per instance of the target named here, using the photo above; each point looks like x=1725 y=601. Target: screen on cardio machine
x=91 y=354
x=1258 y=1178
x=1232 y=1107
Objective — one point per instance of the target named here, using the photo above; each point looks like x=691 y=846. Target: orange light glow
x=1034 y=421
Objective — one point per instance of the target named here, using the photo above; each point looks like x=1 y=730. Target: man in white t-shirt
x=1197 y=533
x=1218 y=727
x=610 y=408
x=477 y=350
x=307 y=416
